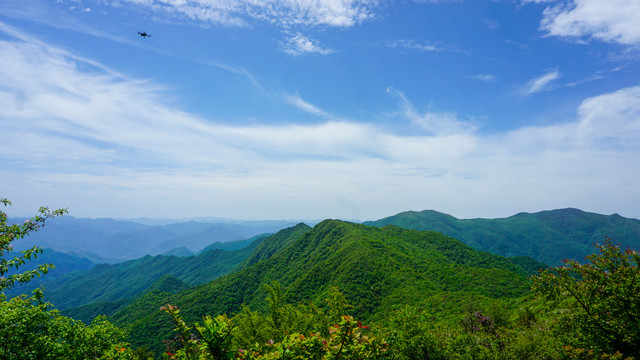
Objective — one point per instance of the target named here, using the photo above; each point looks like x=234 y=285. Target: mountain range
x=426 y=259
x=129 y=278
x=546 y=236
x=377 y=270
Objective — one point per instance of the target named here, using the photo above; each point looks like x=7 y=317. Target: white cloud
x=541 y=83
x=611 y=120
x=79 y=136
x=610 y=20
x=298 y=44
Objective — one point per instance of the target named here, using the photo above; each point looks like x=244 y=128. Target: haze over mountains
x=112 y=241
x=427 y=259
x=547 y=236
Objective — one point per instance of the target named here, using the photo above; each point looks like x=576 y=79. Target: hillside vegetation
x=338 y=290
x=548 y=236
x=377 y=270
x=105 y=282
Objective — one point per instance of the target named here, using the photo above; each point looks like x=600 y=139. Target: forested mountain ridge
x=547 y=236
x=106 y=283
x=378 y=270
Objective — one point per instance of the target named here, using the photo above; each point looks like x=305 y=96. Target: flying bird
x=143 y=34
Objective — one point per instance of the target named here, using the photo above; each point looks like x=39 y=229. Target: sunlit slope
x=547 y=236
x=377 y=269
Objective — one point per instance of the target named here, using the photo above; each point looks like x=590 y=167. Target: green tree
x=599 y=301
x=213 y=341
x=412 y=335
x=12 y=232
x=29 y=327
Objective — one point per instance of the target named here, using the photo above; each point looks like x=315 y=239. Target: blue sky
x=300 y=109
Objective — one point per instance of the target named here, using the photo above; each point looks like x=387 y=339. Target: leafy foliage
x=29 y=327
x=12 y=232
x=214 y=339
x=600 y=300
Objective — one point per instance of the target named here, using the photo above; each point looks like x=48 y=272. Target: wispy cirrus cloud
x=47 y=14
x=594 y=77
x=297 y=101
x=543 y=82
x=285 y=13
x=79 y=134
x=415 y=45
x=434 y=123
x=612 y=20
x=288 y=15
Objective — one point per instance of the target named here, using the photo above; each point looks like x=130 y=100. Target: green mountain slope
x=275 y=243
x=377 y=269
x=106 y=282
x=235 y=245
x=168 y=284
x=547 y=236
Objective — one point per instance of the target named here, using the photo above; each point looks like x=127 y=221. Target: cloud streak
x=415 y=45
x=541 y=83
x=303 y=105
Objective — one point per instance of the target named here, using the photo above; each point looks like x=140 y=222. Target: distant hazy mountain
x=547 y=236
x=64 y=264
x=113 y=241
